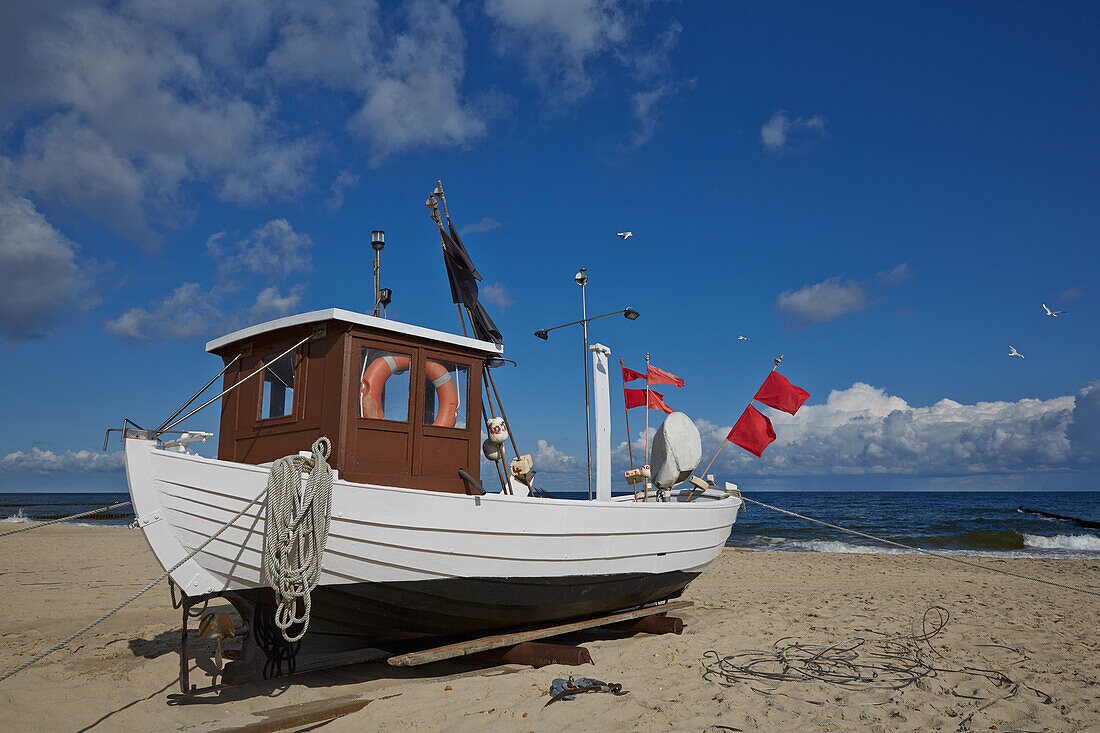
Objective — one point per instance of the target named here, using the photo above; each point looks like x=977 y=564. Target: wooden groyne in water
x=1087 y=523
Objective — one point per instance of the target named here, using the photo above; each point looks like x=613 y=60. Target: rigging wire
x=925 y=552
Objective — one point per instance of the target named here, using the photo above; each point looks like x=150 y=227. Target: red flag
x=660 y=376
x=629 y=375
x=753 y=431
x=777 y=392
x=636 y=398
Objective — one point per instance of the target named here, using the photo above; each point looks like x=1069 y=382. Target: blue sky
x=885 y=194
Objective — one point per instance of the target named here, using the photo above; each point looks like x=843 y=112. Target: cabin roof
x=359 y=319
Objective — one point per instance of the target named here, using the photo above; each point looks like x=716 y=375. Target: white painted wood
x=603 y=421
x=384 y=533
x=360 y=319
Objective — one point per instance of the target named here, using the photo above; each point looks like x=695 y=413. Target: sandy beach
x=1043 y=639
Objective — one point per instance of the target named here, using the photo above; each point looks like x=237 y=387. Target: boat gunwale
x=488 y=496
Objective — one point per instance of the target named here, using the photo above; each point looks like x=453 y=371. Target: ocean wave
x=1025 y=545
x=1078 y=542
x=19 y=516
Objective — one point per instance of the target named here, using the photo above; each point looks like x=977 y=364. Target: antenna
x=382 y=295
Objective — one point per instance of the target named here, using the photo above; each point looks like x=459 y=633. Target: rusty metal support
x=651 y=625
x=539 y=654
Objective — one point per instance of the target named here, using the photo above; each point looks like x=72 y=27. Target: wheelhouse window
x=445 y=390
x=278 y=396
x=384 y=385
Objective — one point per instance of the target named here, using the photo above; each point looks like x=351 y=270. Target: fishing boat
x=416 y=547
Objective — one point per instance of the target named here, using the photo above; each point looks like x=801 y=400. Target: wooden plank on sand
x=486 y=643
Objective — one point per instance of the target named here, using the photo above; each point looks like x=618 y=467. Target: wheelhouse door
x=448 y=421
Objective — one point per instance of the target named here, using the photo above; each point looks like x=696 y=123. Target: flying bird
x=626 y=235
x=1052 y=314
x=743 y=338
x=1012 y=352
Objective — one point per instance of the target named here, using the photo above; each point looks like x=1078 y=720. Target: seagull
x=742 y=338
x=626 y=235
x=1012 y=352
x=1052 y=314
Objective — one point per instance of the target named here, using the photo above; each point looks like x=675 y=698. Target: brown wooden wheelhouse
x=401 y=404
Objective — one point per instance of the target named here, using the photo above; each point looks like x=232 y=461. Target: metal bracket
x=319 y=332
x=151 y=518
x=246 y=350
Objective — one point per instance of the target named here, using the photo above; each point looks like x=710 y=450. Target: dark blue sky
x=885 y=194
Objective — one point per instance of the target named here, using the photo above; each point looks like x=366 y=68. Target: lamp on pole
x=581 y=278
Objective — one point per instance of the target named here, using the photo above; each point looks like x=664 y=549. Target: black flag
x=463 y=277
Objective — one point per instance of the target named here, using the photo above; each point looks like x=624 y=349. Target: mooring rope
x=860 y=664
x=296 y=532
x=134 y=597
x=65 y=519
x=926 y=552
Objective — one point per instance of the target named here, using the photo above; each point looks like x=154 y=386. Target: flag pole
x=626 y=410
x=778 y=359
x=433 y=209
x=646 y=480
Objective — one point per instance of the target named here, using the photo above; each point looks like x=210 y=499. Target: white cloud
x=487 y=224
x=864 y=430
x=345 y=180
x=45 y=461
x=269 y=252
x=652 y=67
x=126 y=108
x=1083 y=431
x=271 y=304
x=188 y=312
x=781 y=133
x=414 y=98
x=39 y=273
x=138 y=106
x=559 y=39
x=821 y=302
x=272 y=249
x=895 y=277
x=549 y=459
x=496 y=294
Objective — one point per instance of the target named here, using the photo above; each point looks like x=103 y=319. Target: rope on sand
x=859 y=664
x=926 y=552
x=135 y=596
x=65 y=519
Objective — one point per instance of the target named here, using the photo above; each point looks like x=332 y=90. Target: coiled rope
x=926 y=552
x=65 y=519
x=296 y=532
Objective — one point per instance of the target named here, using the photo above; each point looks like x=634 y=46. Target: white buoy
x=677 y=449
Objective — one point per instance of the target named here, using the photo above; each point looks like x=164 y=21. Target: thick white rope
x=134 y=597
x=926 y=552
x=296 y=531
x=65 y=519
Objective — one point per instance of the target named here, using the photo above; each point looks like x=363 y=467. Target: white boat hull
x=403 y=563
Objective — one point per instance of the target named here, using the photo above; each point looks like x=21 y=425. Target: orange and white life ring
x=374 y=379
x=447 y=392
x=375 y=376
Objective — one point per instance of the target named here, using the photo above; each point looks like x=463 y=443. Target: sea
x=950 y=522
